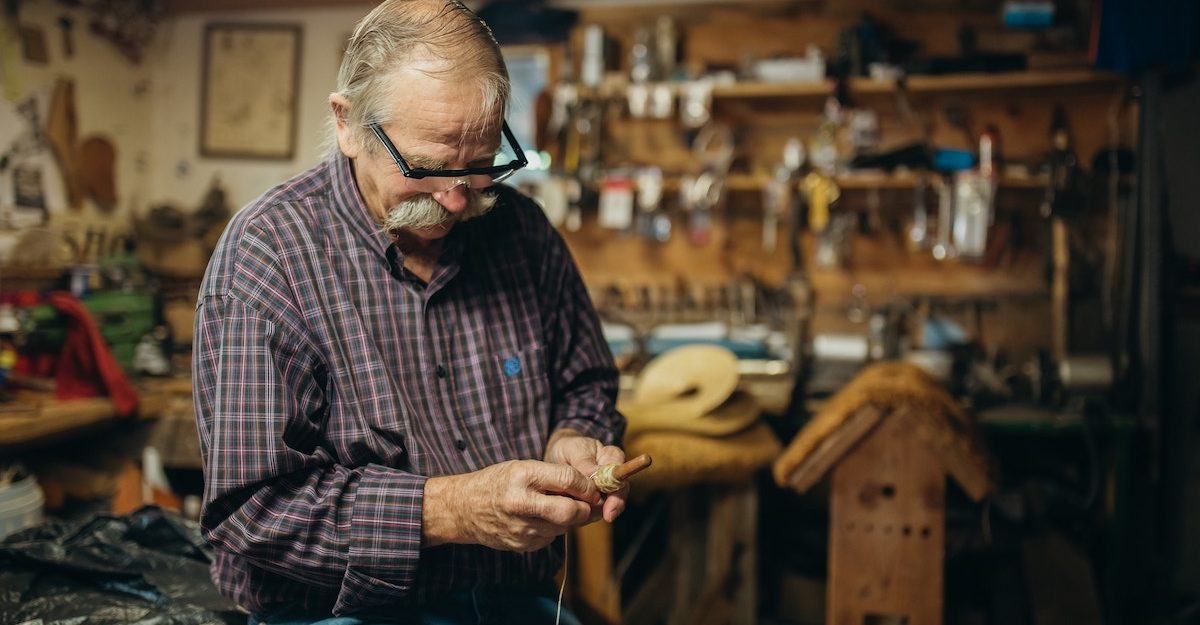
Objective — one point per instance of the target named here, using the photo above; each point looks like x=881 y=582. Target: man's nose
x=454 y=199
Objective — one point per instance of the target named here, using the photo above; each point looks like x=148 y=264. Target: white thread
x=566 y=561
x=605 y=481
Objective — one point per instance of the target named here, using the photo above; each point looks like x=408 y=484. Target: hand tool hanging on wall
x=918 y=231
x=822 y=192
x=65 y=25
x=713 y=146
x=782 y=198
x=97 y=161
x=574 y=204
x=973 y=199
x=796 y=161
x=776 y=196
x=1063 y=196
x=702 y=195
x=62 y=132
x=943 y=249
x=652 y=222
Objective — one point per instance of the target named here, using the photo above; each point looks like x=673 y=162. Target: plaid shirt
x=330 y=383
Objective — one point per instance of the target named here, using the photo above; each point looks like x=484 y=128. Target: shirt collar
x=348 y=203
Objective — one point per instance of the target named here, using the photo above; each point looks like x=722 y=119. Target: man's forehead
x=445 y=113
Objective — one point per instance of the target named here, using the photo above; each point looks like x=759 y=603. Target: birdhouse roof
x=891 y=390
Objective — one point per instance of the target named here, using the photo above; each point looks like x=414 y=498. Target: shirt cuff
x=608 y=431
x=385 y=539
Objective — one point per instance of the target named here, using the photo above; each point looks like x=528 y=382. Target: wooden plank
x=594 y=585
x=1015 y=81
x=834 y=448
x=47 y=419
x=686 y=542
x=865 y=180
x=646 y=607
x=52 y=417
x=1034 y=80
x=1060 y=289
x=887 y=531
x=739 y=508
x=878 y=263
x=960 y=452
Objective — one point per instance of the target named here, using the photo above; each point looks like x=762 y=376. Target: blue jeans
x=480 y=607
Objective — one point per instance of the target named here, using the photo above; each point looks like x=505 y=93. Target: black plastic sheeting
x=147 y=568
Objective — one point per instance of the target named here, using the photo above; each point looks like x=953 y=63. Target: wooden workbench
x=35 y=418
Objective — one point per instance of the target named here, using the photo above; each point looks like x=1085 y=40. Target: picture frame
x=250 y=84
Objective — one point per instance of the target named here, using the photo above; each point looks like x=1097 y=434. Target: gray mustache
x=422 y=211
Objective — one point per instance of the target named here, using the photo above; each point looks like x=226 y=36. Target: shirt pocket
x=511 y=414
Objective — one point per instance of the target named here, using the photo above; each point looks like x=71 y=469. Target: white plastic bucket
x=20 y=505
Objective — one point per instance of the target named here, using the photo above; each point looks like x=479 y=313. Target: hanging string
x=563 y=587
x=606 y=481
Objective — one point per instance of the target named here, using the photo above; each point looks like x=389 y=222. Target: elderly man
x=401 y=386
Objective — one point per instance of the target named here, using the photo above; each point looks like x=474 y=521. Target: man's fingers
x=561 y=479
x=561 y=511
x=610 y=455
x=614 y=505
x=534 y=534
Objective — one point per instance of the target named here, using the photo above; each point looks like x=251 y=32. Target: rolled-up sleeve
x=273 y=494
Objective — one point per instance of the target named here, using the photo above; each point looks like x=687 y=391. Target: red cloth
x=86 y=367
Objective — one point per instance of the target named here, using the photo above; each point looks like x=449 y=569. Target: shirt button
x=440 y=371
x=461 y=444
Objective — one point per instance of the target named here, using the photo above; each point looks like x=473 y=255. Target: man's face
x=437 y=125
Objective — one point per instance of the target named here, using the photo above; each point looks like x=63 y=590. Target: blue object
x=512 y=366
x=742 y=349
x=953 y=160
x=942 y=333
x=1028 y=14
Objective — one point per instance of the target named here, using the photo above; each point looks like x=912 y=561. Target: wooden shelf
x=1029 y=81
x=858 y=182
x=34 y=417
x=919 y=84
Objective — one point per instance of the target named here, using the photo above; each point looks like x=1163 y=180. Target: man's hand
x=519 y=505
x=586 y=455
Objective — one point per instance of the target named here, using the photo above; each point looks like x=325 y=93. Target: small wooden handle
x=631 y=467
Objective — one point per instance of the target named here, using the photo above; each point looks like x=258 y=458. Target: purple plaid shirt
x=330 y=383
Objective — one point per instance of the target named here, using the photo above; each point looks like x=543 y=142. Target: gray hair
x=397 y=31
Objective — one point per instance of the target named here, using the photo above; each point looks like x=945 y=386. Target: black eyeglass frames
x=474 y=177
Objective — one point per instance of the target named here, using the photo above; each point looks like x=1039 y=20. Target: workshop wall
x=112 y=100
x=150 y=110
x=178 y=173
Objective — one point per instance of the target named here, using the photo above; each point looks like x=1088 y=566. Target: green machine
x=123 y=318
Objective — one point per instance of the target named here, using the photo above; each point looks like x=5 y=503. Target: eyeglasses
x=439 y=180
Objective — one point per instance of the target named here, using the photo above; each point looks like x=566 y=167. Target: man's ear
x=347 y=136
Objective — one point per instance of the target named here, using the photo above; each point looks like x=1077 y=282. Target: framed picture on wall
x=249 y=86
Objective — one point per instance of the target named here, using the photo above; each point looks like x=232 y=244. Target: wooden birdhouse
x=889 y=438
